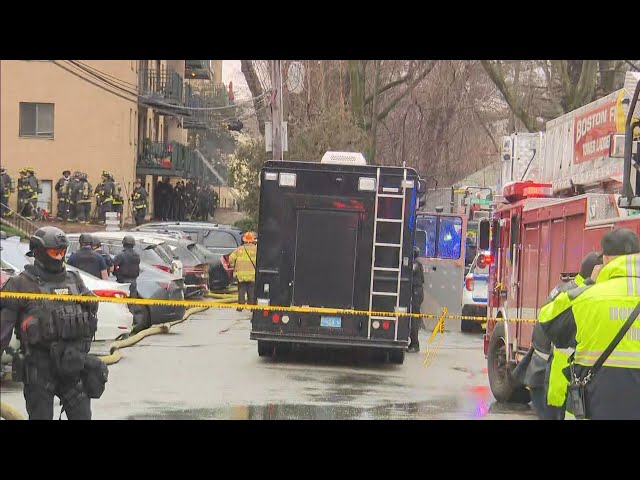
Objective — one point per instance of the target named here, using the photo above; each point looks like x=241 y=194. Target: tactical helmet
x=95 y=242
x=48 y=246
x=86 y=239
x=128 y=241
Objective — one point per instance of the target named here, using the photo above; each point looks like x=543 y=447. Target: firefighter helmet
x=249 y=237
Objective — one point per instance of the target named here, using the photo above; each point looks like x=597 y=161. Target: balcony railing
x=170 y=159
x=198 y=69
x=163 y=85
x=206 y=97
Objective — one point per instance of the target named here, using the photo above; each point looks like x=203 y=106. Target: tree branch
x=498 y=79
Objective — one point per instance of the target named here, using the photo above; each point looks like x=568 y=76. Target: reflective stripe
x=567 y=351
x=617 y=359
x=635 y=274
x=630 y=286
x=544 y=356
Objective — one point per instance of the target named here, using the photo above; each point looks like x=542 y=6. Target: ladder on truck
x=398 y=193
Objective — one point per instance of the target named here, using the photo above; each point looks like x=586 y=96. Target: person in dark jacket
x=96 y=244
x=87 y=260
x=55 y=336
x=63 y=198
x=127 y=269
x=416 y=300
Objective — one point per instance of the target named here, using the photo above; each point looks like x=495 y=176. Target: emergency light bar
x=516 y=191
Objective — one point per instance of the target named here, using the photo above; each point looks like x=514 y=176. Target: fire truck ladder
x=388 y=246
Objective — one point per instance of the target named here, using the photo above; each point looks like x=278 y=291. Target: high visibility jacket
x=243 y=261
x=558 y=382
x=587 y=319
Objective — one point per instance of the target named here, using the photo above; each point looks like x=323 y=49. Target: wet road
x=207 y=368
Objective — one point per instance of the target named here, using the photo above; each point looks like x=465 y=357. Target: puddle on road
x=440 y=408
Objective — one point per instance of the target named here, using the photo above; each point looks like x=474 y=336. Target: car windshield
x=184 y=255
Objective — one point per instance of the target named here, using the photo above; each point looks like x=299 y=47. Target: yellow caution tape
x=222 y=304
x=438 y=329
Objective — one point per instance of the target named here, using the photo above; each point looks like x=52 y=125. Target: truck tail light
x=275 y=317
x=107 y=292
x=468 y=283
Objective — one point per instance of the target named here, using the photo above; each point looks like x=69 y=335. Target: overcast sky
x=231 y=72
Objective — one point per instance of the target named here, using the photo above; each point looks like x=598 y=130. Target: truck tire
x=396 y=356
x=504 y=387
x=265 y=349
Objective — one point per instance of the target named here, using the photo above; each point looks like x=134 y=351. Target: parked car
x=474 y=296
x=113 y=318
x=219 y=240
x=194 y=262
x=152 y=251
x=153 y=282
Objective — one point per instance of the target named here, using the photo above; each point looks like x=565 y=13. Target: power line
x=85 y=66
x=106 y=81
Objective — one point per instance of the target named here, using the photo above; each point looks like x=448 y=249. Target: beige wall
x=216 y=65
x=93 y=129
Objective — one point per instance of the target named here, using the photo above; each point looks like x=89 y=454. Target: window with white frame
x=36 y=119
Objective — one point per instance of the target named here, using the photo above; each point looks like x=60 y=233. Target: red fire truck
x=538 y=236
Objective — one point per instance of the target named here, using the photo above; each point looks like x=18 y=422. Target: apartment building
x=129 y=117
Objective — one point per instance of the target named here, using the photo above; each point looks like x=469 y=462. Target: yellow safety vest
x=243 y=261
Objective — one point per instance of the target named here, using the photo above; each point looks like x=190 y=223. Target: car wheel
x=503 y=386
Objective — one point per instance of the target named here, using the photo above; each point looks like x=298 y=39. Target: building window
x=36 y=120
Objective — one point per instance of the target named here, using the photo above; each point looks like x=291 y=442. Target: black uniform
x=127 y=269
x=416 y=301
x=88 y=260
x=55 y=336
x=6 y=188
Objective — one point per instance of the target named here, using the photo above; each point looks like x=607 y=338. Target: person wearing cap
x=127 y=269
x=243 y=262
x=586 y=320
x=96 y=244
x=104 y=196
x=62 y=190
x=87 y=260
x=139 y=201
x=537 y=370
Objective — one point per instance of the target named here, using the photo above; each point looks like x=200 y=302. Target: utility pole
x=276 y=109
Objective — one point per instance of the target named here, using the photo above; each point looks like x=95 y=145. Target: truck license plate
x=335 y=322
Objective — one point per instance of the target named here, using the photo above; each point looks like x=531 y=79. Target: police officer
x=416 y=300
x=55 y=336
x=62 y=191
x=6 y=189
x=96 y=244
x=139 y=201
x=586 y=319
x=243 y=262
x=535 y=368
x=127 y=269
x=87 y=260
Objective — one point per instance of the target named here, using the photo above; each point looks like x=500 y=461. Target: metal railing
x=211 y=95
x=16 y=221
x=163 y=84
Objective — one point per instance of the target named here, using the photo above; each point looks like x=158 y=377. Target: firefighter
x=104 y=196
x=535 y=368
x=127 y=269
x=74 y=188
x=26 y=192
x=586 y=319
x=117 y=195
x=62 y=191
x=6 y=189
x=139 y=201
x=33 y=188
x=83 y=202
x=55 y=336
x=87 y=260
x=243 y=262
x=416 y=300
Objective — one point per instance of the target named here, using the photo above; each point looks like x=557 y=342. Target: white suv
x=474 y=297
